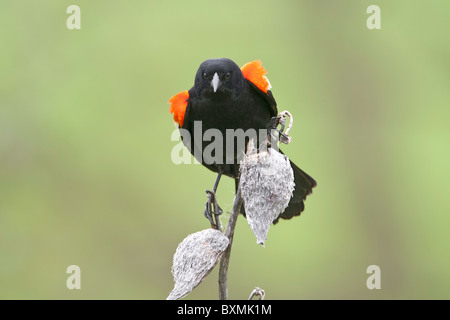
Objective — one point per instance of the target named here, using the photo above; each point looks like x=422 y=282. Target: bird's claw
x=212 y=210
x=280 y=120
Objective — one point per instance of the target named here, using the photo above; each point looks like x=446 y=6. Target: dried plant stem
x=225 y=260
x=257 y=292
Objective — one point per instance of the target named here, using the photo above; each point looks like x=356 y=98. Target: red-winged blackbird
x=223 y=97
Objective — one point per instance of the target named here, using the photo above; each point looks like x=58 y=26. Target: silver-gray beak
x=215 y=82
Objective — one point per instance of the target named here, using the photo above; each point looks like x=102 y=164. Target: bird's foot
x=212 y=210
x=281 y=135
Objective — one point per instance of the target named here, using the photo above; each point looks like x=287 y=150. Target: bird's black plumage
x=222 y=98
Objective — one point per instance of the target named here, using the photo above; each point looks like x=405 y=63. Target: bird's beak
x=215 y=82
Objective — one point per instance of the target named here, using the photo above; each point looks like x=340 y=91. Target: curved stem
x=225 y=260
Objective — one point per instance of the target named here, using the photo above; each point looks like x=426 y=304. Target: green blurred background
x=86 y=176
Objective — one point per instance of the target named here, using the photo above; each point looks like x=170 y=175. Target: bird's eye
x=205 y=75
x=227 y=76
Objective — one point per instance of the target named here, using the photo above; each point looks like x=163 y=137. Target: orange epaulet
x=178 y=106
x=255 y=73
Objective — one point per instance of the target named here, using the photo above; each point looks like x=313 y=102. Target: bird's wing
x=255 y=75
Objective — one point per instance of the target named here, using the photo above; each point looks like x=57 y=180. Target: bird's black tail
x=303 y=187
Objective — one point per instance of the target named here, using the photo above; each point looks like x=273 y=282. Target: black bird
x=226 y=98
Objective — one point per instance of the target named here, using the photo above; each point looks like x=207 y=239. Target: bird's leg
x=273 y=124
x=273 y=134
x=212 y=207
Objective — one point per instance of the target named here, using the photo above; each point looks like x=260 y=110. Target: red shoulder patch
x=255 y=73
x=178 y=106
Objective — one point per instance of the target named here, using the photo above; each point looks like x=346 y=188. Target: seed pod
x=267 y=184
x=194 y=259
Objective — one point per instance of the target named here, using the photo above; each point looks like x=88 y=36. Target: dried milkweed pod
x=194 y=259
x=267 y=184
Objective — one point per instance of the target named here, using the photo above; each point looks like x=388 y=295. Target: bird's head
x=216 y=77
